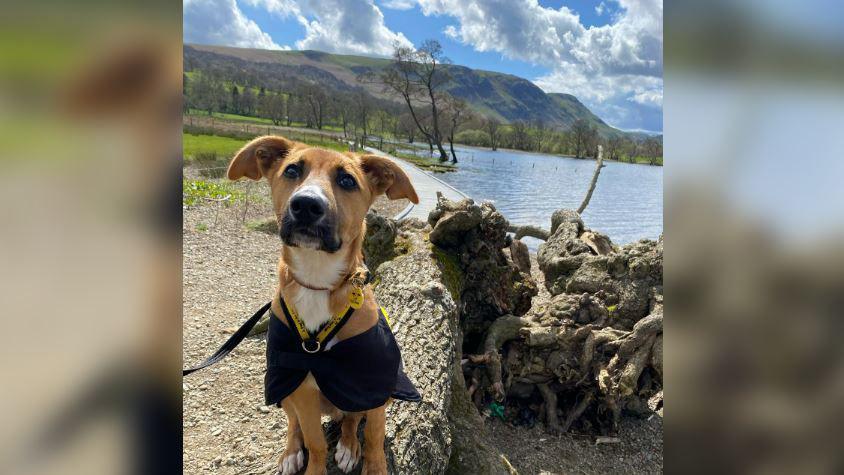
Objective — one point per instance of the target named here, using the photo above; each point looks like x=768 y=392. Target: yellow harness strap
x=355 y=301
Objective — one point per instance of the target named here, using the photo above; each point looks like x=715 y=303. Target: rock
x=379 y=243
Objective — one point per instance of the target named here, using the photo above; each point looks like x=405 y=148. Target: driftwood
x=598 y=165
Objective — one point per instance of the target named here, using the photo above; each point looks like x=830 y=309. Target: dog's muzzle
x=309 y=223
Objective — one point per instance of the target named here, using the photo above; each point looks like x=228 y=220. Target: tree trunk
x=444 y=433
x=441 y=149
x=451 y=145
x=598 y=165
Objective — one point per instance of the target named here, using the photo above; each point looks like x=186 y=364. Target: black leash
x=232 y=342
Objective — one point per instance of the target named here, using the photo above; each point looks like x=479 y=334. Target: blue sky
x=608 y=53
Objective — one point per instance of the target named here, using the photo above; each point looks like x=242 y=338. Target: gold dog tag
x=356 y=297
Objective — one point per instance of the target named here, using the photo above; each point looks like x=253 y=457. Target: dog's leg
x=347 y=453
x=293 y=458
x=307 y=404
x=374 y=460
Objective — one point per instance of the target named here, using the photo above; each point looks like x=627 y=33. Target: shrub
x=196 y=191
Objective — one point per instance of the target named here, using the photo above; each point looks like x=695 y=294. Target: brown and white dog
x=321 y=198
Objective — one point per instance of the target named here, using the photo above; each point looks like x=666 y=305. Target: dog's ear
x=258 y=156
x=386 y=177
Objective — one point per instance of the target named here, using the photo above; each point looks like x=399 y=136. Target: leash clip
x=315 y=350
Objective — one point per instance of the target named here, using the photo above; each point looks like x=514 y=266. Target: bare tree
x=456 y=114
x=613 y=147
x=520 y=135
x=592 y=142
x=247 y=101
x=276 y=107
x=540 y=132
x=317 y=102
x=579 y=137
x=407 y=127
x=417 y=76
x=363 y=108
x=652 y=149
x=343 y=106
x=491 y=126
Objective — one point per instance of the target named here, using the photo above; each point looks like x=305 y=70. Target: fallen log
x=443 y=433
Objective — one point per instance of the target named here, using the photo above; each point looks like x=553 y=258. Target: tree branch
x=594 y=180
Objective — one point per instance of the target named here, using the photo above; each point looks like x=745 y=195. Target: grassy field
x=425 y=163
x=254 y=120
x=221 y=147
x=199 y=145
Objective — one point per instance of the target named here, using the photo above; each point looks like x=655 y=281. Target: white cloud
x=338 y=26
x=648 y=98
x=601 y=8
x=398 y=4
x=618 y=64
x=625 y=100
x=221 y=22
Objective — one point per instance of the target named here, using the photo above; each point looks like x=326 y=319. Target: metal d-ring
x=315 y=350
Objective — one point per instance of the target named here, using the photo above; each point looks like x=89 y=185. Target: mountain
x=502 y=96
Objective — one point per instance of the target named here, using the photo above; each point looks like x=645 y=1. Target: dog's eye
x=292 y=171
x=346 y=181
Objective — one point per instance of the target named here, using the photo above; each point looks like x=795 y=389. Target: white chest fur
x=316 y=269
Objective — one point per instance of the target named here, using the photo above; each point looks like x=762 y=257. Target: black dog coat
x=356 y=374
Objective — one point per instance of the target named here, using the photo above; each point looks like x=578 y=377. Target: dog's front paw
x=291 y=462
x=347 y=457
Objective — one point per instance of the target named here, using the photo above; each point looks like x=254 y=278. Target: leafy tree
x=204 y=92
x=235 y=101
x=247 y=101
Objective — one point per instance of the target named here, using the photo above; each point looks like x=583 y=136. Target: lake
x=528 y=187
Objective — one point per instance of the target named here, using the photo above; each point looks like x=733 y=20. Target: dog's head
x=319 y=196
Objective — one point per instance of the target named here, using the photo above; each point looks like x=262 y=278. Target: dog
x=321 y=198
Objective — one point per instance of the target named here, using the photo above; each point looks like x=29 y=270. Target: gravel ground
x=229 y=271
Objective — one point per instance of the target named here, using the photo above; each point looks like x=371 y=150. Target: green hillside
x=505 y=97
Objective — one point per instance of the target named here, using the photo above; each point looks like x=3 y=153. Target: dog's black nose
x=307 y=208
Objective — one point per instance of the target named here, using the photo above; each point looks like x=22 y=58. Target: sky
x=608 y=53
